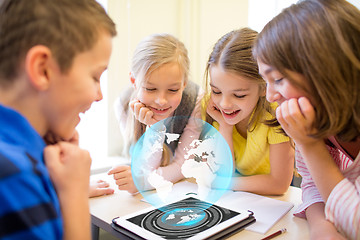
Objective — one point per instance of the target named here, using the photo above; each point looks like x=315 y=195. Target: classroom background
x=197 y=23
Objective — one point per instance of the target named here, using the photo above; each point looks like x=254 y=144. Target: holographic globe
x=207 y=161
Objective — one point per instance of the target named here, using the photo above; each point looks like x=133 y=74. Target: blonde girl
x=237 y=107
x=160 y=88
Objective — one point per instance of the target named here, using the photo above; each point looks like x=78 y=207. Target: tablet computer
x=189 y=218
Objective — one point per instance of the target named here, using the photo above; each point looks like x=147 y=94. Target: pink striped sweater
x=343 y=205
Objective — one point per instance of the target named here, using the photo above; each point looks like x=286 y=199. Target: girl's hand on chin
x=142 y=113
x=296 y=117
x=215 y=113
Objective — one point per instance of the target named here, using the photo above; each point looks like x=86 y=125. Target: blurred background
x=197 y=23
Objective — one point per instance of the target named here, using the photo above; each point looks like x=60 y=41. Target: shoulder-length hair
x=320 y=40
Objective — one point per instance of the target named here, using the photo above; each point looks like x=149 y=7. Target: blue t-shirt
x=29 y=206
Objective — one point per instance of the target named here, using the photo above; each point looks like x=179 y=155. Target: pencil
x=274 y=234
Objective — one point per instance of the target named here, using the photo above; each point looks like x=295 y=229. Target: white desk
x=103 y=209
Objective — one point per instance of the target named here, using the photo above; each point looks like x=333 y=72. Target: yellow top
x=252 y=153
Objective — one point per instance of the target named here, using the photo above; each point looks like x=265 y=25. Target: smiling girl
x=311 y=63
x=160 y=88
x=236 y=106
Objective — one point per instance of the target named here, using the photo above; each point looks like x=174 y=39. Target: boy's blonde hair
x=233 y=53
x=320 y=40
x=151 y=53
x=66 y=27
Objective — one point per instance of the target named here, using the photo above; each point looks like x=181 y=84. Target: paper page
x=267 y=211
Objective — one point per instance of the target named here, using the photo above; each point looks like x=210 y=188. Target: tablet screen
x=183 y=219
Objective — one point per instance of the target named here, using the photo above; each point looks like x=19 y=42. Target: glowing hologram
x=162 y=186
x=203 y=175
x=170 y=137
x=207 y=160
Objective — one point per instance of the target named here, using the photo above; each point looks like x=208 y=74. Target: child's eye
x=278 y=80
x=215 y=92
x=150 y=89
x=174 y=90
x=240 y=96
x=96 y=79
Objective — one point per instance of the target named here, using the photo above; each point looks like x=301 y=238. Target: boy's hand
x=142 y=113
x=123 y=178
x=69 y=167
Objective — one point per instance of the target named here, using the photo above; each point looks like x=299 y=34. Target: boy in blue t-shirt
x=52 y=54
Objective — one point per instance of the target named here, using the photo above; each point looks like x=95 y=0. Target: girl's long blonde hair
x=151 y=53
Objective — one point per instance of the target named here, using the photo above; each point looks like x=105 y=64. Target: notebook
x=267 y=211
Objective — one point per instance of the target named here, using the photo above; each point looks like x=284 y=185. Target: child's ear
x=36 y=66
x=132 y=80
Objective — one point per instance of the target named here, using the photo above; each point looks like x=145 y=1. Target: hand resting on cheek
x=297 y=117
x=142 y=113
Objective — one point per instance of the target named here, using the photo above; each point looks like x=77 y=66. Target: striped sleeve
x=343 y=205
x=310 y=194
x=343 y=208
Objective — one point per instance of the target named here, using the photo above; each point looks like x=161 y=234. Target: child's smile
x=229 y=114
x=162 y=91
x=160 y=111
x=233 y=95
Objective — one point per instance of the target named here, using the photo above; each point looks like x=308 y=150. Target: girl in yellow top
x=237 y=107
